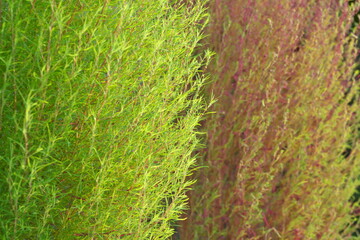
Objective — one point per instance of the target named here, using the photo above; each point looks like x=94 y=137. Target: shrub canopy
x=98 y=115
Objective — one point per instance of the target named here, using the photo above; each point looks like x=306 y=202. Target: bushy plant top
x=276 y=168
x=99 y=105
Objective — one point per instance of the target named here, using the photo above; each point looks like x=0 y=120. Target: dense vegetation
x=282 y=150
x=99 y=103
x=102 y=104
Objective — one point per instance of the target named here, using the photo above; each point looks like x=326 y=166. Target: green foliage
x=99 y=109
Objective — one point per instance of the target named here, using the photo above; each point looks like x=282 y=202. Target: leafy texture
x=276 y=167
x=98 y=115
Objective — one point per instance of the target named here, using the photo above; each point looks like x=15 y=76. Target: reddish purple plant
x=274 y=146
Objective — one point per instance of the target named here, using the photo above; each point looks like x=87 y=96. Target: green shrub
x=99 y=109
x=276 y=168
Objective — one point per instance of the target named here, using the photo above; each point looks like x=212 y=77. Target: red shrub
x=275 y=168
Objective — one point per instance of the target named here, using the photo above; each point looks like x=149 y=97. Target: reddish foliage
x=273 y=145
